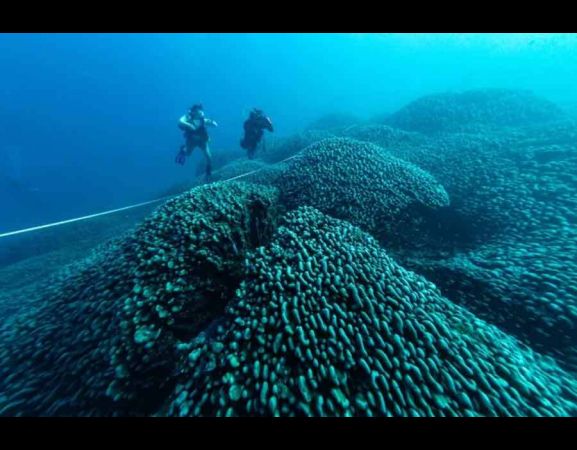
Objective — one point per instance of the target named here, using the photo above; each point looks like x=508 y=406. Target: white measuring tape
x=112 y=211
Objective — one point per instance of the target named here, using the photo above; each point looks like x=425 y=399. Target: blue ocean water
x=426 y=185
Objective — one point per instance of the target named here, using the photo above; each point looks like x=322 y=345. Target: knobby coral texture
x=420 y=265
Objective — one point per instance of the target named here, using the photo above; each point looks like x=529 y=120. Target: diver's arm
x=210 y=123
x=184 y=123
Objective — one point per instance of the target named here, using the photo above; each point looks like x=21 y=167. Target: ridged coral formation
x=509 y=228
x=359 y=182
x=527 y=288
x=325 y=323
x=516 y=198
x=224 y=303
x=504 y=184
x=473 y=110
x=103 y=338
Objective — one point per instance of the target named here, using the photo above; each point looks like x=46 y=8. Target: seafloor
x=420 y=264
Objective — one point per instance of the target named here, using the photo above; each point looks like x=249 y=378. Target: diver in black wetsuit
x=254 y=128
x=194 y=125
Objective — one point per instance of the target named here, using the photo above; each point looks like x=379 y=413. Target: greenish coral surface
x=473 y=110
x=102 y=338
x=359 y=182
x=325 y=323
x=292 y=293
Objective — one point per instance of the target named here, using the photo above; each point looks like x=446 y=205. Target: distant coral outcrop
x=473 y=110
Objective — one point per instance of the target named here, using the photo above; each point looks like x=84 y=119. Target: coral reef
x=359 y=182
x=86 y=236
x=511 y=220
x=326 y=324
x=342 y=282
x=102 y=338
x=474 y=110
x=526 y=287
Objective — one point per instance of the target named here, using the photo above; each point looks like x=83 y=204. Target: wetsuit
x=197 y=138
x=254 y=128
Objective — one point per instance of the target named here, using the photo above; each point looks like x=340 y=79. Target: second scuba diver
x=254 y=128
x=194 y=124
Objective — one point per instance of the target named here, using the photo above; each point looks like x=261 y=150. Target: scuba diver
x=254 y=128
x=194 y=124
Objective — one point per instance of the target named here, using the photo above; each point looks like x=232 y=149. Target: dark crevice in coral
x=262 y=223
x=257 y=229
x=187 y=327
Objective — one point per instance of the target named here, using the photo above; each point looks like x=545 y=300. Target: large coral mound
x=503 y=183
x=474 y=110
x=325 y=323
x=102 y=339
x=359 y=182
x=527 y=287
x=513 y=204
x=211 y=308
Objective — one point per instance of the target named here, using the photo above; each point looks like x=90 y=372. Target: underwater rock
x=326 y=324
x=474 y=110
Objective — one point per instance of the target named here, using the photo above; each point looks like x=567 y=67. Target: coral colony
x=420 y=265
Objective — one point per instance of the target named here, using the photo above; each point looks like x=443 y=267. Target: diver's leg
x=250 y=152
x=208 y=156
x=190 y=144
x=181 y=155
